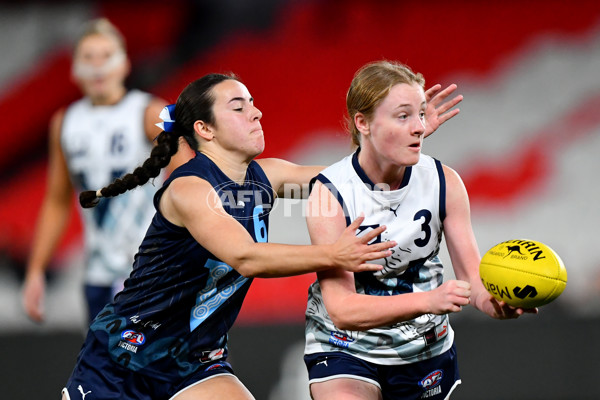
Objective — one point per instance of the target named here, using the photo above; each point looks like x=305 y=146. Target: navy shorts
x=97 y=375
x=97 y=297
x=429 y=379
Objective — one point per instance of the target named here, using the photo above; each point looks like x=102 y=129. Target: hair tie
x=167 y=114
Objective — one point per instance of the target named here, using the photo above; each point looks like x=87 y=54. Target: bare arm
x=352 y=311
x=289 y=180
x=183 y=204
x=51 y=223
x=184 y=152
x=463 y=249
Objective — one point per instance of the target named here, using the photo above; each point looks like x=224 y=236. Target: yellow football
x=523 y=273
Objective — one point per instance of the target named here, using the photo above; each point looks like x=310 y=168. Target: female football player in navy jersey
x=386 y=334
x=165 y=335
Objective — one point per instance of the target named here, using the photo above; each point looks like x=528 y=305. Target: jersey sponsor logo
x=133 y=337
x=211 y=355
x=340 y=340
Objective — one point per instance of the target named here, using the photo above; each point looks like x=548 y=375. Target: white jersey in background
x=413 y=215
x=101 y=143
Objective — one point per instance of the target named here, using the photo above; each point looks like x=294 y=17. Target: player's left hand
x=438 y=109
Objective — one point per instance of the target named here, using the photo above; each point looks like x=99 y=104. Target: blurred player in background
x=93 y=141
x=386 y=334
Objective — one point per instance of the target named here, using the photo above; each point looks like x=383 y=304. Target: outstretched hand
x=438 y=109
x=352 y=252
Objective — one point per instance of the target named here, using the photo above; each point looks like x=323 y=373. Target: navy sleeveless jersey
x=180 y=300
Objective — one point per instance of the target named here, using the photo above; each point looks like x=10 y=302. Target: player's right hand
x=451 y=296
x=33 y=295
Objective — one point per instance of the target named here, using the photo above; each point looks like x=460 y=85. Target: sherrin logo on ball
x=523 y=273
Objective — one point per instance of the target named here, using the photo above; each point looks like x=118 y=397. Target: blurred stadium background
x=526 y=144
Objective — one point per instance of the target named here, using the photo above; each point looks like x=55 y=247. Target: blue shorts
x=429 y=379
x=97 y=375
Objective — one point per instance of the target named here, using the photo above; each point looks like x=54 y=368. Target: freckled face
x=237 y=120
x=397 y=127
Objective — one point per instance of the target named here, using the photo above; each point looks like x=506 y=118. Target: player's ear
x=362 y=123
x=204 y=130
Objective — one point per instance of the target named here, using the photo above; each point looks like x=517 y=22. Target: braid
x=160 y=157
x=195 y=103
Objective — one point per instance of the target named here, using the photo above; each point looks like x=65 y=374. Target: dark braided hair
x=194 y=103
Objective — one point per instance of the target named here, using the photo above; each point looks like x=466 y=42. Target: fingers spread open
x=432 y=92
x=372 y=234
x=369 y=267
x=356 y=223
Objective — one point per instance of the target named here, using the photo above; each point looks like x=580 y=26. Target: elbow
x=242 y=259
x=251 y=260
x=246 y=269
x=249 y=266
x=346 y=326
x=348 y=321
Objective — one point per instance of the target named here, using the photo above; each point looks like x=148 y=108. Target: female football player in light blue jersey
x=93 y=141
x=386 y=334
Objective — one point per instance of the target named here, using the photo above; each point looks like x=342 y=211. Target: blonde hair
x=101 y=26
x=370 y=85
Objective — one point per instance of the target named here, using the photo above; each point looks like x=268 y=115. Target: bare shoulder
x=325 y=217
x=184 y=190
x=153 y=109
x=281 y=172
x=273 y=165
x=456 y=191
x=180 y=200
x=453 y=179
x=56 y=122
x=155 y=104
x=276 y=170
